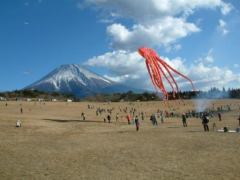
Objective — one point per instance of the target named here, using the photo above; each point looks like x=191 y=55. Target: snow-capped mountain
x=76 y=80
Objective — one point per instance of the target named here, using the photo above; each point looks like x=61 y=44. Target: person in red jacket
x=129 y=118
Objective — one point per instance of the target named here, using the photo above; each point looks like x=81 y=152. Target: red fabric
x=159 y=69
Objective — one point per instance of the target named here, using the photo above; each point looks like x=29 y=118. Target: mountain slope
x=76 y=80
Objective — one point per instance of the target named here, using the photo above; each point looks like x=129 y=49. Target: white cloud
x=142 y=10
x=124 y=67
x=160 y=32
x=212 y=76
x=155 y=22
x=129 y=68
x=174 y=47
x=222 y=26
x=206 y=60
x=177 y=47
x=119 y=62
x=226 y=8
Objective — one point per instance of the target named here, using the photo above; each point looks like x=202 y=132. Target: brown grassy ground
x=54 y=143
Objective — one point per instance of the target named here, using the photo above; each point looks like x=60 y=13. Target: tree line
x=213 y=93
x=18 y=94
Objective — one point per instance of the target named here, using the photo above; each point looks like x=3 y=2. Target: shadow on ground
x=72 y=120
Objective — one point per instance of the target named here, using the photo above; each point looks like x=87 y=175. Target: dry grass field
x=55 y=143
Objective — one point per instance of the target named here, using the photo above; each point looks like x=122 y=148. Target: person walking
x=153 y=120
x=205 y=121
x=184 y=120
x=137 y=123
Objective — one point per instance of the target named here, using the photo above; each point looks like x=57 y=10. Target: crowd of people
x=133 y=114
x=136 y=115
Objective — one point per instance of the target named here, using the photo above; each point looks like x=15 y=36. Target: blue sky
x=200 y=39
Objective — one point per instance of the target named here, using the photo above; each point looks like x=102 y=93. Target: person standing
x=184 y=120
x=117 y=117
x=205 y=121
x=161 y=117
x=142 y=115
x=109 y=118
x=214 y=126
x=83 y=116
x=137 y=123
x=219 y=116
x=129 y=118
x=153 y=120
x=239 y=120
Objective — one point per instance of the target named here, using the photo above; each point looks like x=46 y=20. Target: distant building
x=54 y=100
x=69 y=100
x=3 y=99
x=40 y=100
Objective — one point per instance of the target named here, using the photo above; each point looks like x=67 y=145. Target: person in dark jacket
x=83 y=116
x=184 y=120
x=153 y=119
x=219 y=116
x=205 y=121
x=137 y=123
x=239 y=120
x=109 y=118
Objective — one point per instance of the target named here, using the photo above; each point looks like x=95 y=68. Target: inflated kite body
x=159 y=70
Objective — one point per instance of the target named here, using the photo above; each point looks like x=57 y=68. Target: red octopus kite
x=159 y=69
